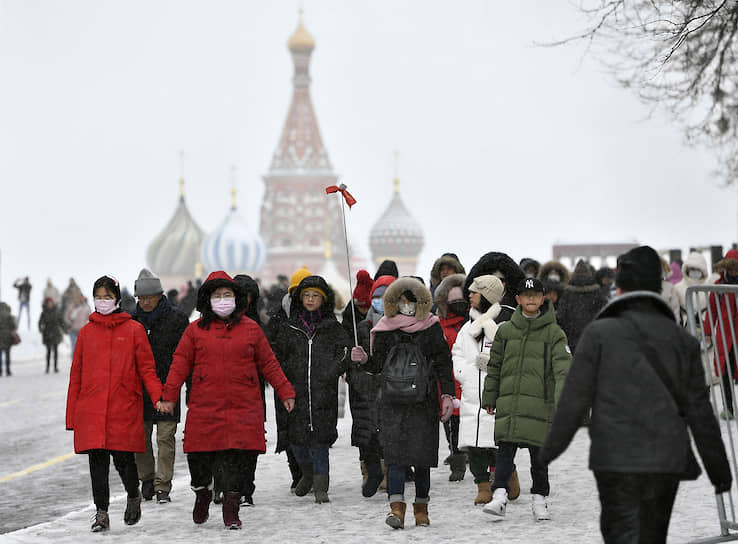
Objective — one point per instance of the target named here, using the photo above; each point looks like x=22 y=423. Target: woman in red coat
x=104 y=402
x=225 y=352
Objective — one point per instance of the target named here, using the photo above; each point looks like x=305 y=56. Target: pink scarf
x=406 y=323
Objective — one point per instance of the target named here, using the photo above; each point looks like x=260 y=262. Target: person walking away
x=312 y=348
x=51 y=326
x=164 y=326
x=453 y=311
x=579 y=304
x=104 y=409
x=528 y=362
x=76 y=317
x=641 y=375
x=409 y=333
x=8 y=326
x=470 y=354
x=225 y=353
x=24 y=297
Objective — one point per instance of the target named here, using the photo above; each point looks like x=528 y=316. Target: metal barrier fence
x=715 y=306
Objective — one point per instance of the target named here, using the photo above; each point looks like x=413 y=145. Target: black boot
x=373 y=479
x=458 y=467
x=306 y=482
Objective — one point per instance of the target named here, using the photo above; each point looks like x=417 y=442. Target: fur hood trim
x=485 y=321
x=422 y=295
x=449 y=259
x=695 y=260
x=441 y=294
x=492 y=262
x=730 y=260
x=554 y=266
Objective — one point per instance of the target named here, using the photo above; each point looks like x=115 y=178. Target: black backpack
x=405 y=376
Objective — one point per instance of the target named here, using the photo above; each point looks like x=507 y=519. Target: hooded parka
x=225 y=409
x=104 y=401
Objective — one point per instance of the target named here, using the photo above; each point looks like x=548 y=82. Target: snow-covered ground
x=277 y=515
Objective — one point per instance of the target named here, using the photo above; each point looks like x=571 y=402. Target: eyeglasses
x=227 y=296
x=310 y=295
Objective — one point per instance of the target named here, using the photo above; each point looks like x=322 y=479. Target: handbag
x=692 y=469
x=15 y=338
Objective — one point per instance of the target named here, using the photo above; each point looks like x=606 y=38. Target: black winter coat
x=164 y=331
x=409 y=434
x=51 y=325
x=578 y=306
x=313 y=365
x=635 y=424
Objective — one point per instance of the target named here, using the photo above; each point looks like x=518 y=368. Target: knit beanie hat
x=297 y=277
x=380 y=285
x=489 y=286
x=147 y=284
x=639 y=270
x=363 y=289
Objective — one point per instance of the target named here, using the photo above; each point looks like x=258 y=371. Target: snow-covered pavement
x=279 y=516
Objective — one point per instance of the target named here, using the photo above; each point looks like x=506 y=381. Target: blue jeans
x=73 y=339
x=506 y=465
x=28 y=313
x=314 y=454
x=396 y=483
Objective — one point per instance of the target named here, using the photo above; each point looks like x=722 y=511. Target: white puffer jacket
x=476 y=426
x=698 y=261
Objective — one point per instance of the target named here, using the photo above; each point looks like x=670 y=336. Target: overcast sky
x=504 y=145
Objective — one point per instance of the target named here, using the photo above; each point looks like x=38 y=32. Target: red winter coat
x=729 y=312
x=105 y=397
x=226 y=410
x=451 y=327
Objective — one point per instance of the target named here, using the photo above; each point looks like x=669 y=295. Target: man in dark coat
x=581 y=301
x=165 y=327
x=639 y=430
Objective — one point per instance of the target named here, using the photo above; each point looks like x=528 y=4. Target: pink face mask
x=223 y=307
x=105 y=307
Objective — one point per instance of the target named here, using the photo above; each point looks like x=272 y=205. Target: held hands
x=165 y=407
x=289 y=404
x=447 y=408
x=490 y=410
x=359 y=355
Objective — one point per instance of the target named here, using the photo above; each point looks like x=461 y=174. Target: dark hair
x=107 y=283
x=250 y=287
x=408 y=294
x=484 y=304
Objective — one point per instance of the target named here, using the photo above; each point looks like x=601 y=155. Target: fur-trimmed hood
x=449 y=259
x=554 y=266
x=695 y=260
x=582 y=279
x=422 y=295
x=441 y=295
x=329 y=304
x=525 y=262
x=731 y=258
x=492 y=262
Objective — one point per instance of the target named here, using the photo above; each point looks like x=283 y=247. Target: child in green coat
x=528 y=362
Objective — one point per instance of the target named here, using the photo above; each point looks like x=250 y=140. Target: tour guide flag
x=350 y=200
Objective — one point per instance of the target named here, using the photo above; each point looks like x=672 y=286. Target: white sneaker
x=540 y=508
x=498 y=504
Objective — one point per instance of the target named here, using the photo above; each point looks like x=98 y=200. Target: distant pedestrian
x=24 y=296
x=50 y=291
x=580 y=302
x=641 y=375
x=8 y=327
x=104 y=407
x=76 y=316
x=51 y=326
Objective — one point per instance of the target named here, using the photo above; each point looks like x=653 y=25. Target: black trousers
x=451 y=428
x=636 y=508
x=125 y=464
x=51 y=349
x=232 y=470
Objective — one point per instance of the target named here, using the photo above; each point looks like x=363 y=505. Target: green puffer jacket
x=528 y=363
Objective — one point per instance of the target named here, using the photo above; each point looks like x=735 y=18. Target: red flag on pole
x=350 y=200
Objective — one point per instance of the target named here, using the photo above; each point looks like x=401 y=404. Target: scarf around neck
x=405 y=323
x=309 y=321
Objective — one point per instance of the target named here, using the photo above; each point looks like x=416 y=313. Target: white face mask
x=406 y=308
x=695 y=274
x=554 y=277
x=105 y=307
x=223 y=307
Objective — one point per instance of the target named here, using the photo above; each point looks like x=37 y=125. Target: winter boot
x=306 y=482
x=147 y=489
x=320 y=488
x=132 y=514
x=540 y=508
x=201 y=512
x=231 y=501
x=458 y=467
x=514 y=485
x=101 y=523
x=396 y=517
x=383 y=484
x=374 y=478
x=364 y=473
x=420 y=509
x=498 y=504
x=484 y=493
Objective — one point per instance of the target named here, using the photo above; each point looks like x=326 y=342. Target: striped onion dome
x=176 y=250
x=396 y=233
x=234 y=246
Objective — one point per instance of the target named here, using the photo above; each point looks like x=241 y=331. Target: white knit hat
x=489 y=286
